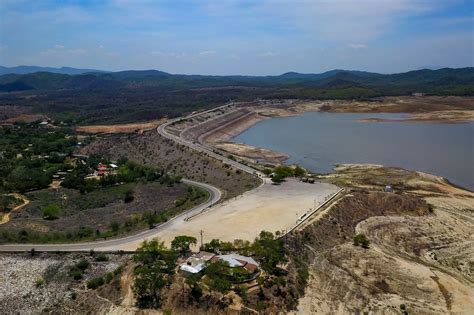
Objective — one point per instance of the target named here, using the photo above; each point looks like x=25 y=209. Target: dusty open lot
x=269 y=207
x=120 y=128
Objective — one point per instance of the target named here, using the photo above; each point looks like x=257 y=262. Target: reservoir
x=318 y=141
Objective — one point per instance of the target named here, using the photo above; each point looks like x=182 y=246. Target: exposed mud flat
x=219 y=128
x=251 y=152
x=430 y=109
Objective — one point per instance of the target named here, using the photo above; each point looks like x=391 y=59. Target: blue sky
x=238 y=37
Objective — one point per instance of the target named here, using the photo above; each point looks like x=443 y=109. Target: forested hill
x=443 y=81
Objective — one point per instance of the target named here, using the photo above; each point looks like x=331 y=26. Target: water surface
x=317 y=141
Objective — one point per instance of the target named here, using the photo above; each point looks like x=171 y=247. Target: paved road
x=132 y=240
x=215 y=196
x=202 y=148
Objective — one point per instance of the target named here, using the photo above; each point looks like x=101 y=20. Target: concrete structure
x=197 y=262
x=236 y=260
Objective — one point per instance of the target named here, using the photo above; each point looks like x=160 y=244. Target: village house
x=102 y=170
x=236 y=260
x=199 y=261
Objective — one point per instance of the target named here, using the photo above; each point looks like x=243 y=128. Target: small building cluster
x=199 y=261
x=104 y=169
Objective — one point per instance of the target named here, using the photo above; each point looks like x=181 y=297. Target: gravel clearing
x=20 y=274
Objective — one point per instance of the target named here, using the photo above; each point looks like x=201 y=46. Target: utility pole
x=201 y=232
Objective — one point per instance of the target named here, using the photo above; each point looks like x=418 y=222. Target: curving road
x=202 y=148
x=116 y=244
x=132 y=241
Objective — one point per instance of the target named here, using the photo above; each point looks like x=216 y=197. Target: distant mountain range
x=460 y=80
x=33 y=69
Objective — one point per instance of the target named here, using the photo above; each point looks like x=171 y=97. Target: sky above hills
x=238 y=37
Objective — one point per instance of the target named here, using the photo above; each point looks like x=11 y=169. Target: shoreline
x=219 y=131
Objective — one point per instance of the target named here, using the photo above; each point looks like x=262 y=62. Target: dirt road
x=6 y=217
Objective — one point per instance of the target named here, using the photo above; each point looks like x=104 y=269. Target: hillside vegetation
x=143 y=95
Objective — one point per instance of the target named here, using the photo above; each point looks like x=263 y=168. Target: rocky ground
x=42 y=283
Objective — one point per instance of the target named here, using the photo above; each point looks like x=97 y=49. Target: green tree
x=155 y=268
x=51 y=212
x=278 y=178
x=299 y=171
x=269 y=251
x=128 y=197
x=182 y=243
x=218 y=274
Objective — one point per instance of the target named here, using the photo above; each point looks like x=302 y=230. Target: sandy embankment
x=429 y=109
x=220 y=136
x=446 y=117
x=121 y=128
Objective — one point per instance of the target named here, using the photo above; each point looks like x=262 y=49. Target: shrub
x=101 y=257
x=108 y=277
x=39 y=282
x=196 y=291
x=115 y=226
x=82 y=264
x=76 y=273
x=51 y=212
x=95 y=283
x=128 y=196
x=118 y=270
x=361 y=240
x=241 y=291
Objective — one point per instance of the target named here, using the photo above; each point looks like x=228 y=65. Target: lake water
x=317 y=141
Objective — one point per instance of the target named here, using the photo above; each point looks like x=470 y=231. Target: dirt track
x=6 y=217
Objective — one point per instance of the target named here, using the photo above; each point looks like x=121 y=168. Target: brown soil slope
x=421 y=249
x=151 y=148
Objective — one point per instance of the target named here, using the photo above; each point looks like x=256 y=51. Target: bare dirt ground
x=269 y=207
x=447 y=109
x=24 y=118
x=422 y=261
x=252 y=152
x=9 y=113
x=120 y=128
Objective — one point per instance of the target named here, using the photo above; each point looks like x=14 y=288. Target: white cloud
x=357 y=46
x=268 y=54
x=57 y=46
x=79 y=51
x=168 y=54
x=207 y=53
